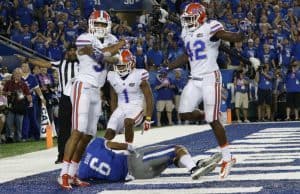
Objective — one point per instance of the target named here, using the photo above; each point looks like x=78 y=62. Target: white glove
x=255 y=62
x=147 y=124
x=245 y=26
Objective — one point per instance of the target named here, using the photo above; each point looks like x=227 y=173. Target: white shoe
x=216 y=158
x=226 y=167
x=64 y=181
x=239 y=121
x=246 y=121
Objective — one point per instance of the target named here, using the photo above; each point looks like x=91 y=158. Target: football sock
x=73 y=168
x=226 y=155
x=187 y=161
x=65 y=168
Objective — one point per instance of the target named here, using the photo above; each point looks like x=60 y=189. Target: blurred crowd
x=49 y=26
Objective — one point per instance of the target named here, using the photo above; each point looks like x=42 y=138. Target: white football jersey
x=90 y=70
x=128 y=90
x=109 y=40
x=202 y=51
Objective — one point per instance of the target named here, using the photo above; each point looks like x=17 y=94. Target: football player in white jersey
x=100 y=26
x=202 y=39
x=129 y=89
x=86 y=103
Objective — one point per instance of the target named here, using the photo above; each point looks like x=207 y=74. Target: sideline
x=43 y=161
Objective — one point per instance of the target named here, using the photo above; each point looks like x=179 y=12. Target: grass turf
x=14 y=149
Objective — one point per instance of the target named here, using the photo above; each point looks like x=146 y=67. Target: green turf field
x=13 y=149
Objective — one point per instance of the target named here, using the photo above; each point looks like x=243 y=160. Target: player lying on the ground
x=101 y=162
x=129 y=89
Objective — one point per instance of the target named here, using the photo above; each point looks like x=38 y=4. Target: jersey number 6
x=197 y=48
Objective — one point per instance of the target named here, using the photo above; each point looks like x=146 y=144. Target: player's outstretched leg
x=215 y=158
x=197 y=171
x=228 y=159
x=226 y=167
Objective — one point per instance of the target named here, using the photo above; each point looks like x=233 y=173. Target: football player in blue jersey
x=101 y=162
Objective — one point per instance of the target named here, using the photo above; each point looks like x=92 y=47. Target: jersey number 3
x=196 y=53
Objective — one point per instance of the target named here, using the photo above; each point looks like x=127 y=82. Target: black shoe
x=58 y=160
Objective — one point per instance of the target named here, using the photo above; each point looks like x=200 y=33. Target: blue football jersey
x=100 y=162
x=32 y=83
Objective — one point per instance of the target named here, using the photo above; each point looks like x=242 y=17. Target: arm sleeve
x=215 y=26
x=144 y=75
x=55 y=64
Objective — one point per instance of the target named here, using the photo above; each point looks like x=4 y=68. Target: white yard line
x=43 y=161
x=188 y=191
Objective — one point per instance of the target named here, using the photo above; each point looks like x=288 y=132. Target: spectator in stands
x=285 y=53
x=31 y=125
x=122 y=29
x=141 y=59
x=179 y=83
x=241 y=86
x=277 y=90
x=46 y=83
x=51 y=30
x=26 y=36
x=70 y=32
x=264 y=79
x=3 y=112
x=235 y=62
x=3 y=25
x=139 y=33
x=155 y=56
x=15 y=32
x=292 y=83
x=55 y=51
x=266 y=56
x=296 y=48
x=4 y=73
x=18 y=95
x=174 y=51
x=250 y=50
x=34 y=28
x=39 y=44
x=165 y=95
x=24 y=13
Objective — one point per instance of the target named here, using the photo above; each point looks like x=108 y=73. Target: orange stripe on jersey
x=217 y=95
x=77 y=103
x=74 y=104
x=135 y=118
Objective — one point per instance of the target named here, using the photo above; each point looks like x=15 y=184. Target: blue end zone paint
x=196 y=143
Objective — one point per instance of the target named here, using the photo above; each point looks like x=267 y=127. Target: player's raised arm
x=35 y=61
x=229 y=36
x=114 y=49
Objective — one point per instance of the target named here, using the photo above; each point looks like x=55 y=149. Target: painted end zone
x=267 y=154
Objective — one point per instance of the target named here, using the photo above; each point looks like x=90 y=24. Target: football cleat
x=216 y=158
x=77 y=182
x=226 y=167
x=64 y=182
x=197 y=171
